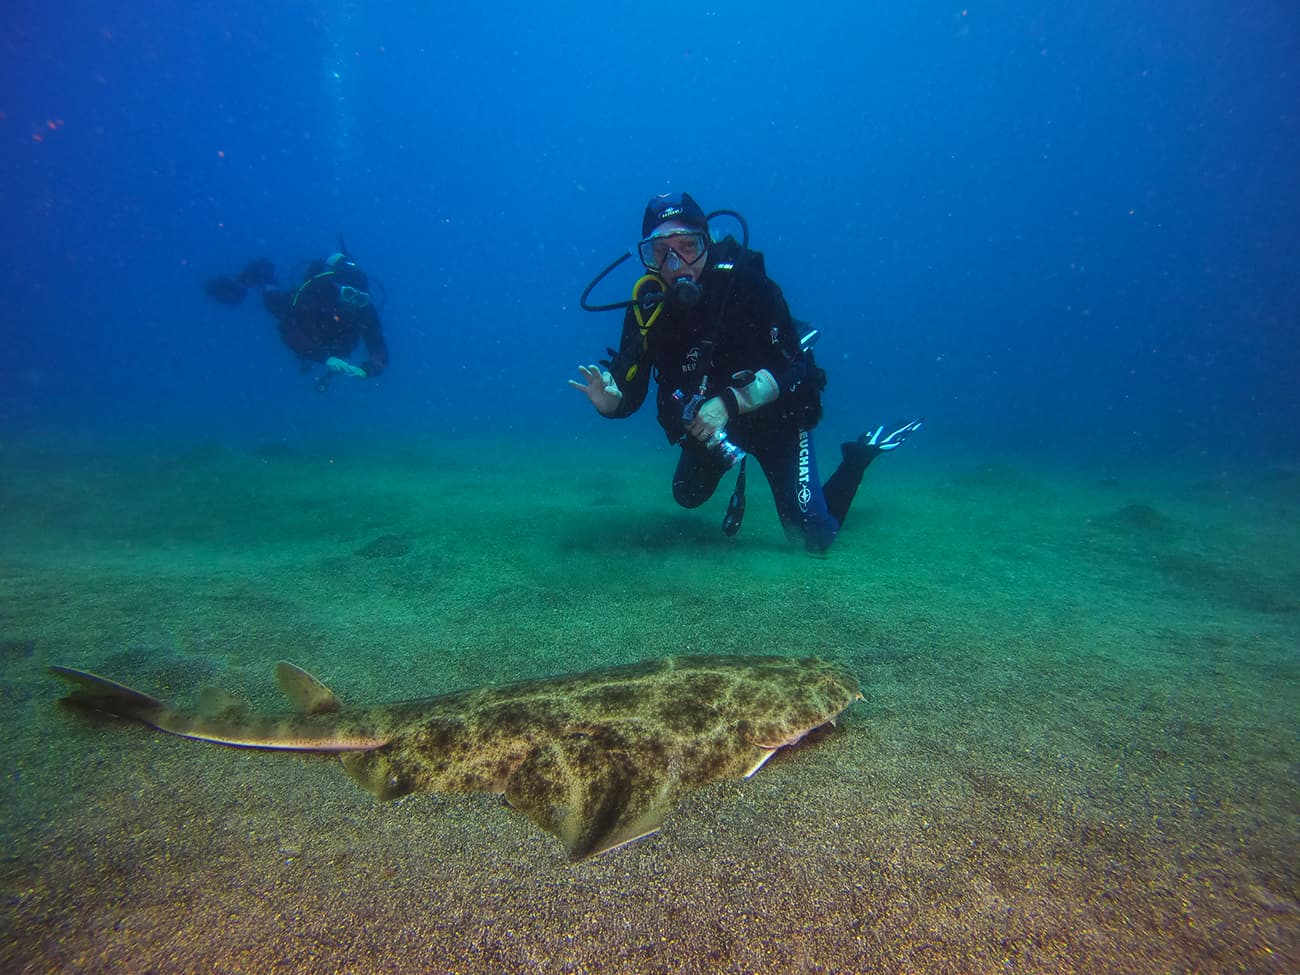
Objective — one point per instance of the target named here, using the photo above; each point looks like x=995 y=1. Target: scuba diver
x=322 y=318
x=735 y=374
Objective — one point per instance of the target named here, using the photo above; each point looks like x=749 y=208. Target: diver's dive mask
x=669 y=251
x=344 y=269
x=354 y=297
x=673 y=250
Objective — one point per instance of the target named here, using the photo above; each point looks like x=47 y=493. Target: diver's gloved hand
x=888 y=441
x=345 y=368
x=600 y=388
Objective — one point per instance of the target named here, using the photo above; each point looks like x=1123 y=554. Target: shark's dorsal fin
x=307 y=694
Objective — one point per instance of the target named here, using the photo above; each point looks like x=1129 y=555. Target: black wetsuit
x=316 y=324
x=741 y=324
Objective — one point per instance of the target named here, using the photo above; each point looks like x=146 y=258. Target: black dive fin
x=257 y=273
x=228 y=291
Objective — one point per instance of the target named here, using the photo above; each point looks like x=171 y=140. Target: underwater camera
x=726 y=450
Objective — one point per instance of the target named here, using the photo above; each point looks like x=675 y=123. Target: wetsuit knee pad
x=696 y=478
x=690 y=495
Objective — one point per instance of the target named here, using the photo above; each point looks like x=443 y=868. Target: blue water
x=1067 y=228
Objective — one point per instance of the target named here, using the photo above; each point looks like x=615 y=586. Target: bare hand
x=710 y=421
x=600 y=388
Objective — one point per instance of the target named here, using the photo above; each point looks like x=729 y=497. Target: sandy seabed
x=1078 y=750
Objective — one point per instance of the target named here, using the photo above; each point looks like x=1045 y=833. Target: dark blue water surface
x=1063 y=228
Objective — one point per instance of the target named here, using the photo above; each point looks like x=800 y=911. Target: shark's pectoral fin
x=375 y=771
x=587 y=793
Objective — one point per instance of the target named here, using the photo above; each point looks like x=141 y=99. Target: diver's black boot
x=858 y=453
x=258 y=273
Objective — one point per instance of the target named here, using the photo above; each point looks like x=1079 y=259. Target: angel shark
x=597 y=758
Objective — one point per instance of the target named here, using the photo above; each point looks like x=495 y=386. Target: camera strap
x=736 y=506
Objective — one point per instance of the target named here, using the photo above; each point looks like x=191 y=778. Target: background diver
x=322 y=318
x=735 y=377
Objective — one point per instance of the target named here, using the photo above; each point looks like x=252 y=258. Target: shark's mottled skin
x=597 y=758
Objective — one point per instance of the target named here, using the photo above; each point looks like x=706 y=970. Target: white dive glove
x=600 y=388
x=760 y=391
x=344 y=367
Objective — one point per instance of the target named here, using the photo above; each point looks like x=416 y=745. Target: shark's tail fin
x=97 y=693
x=220 y=718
